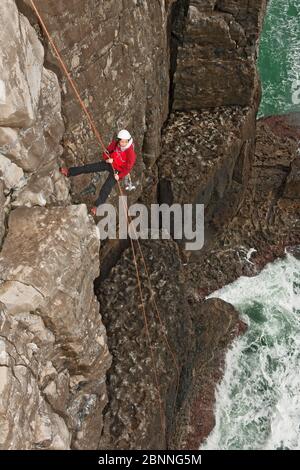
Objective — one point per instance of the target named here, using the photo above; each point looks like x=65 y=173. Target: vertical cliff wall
x=52 y=340
x=208 y=144
x=53 y=351
x=118 y=53
x=217 y=61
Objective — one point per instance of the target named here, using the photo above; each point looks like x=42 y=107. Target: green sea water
x=279 y=58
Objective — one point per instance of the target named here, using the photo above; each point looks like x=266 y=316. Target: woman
x=119 y=160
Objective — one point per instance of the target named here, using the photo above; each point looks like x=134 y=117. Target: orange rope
x=162 y=416
x=162 y=328
x=157 y=310
x=71 y=81
x=100 y=140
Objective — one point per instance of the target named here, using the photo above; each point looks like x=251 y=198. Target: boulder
x=12 y=176
x=21 y=63
x=48 y=262
x=34 y=147
x=43 y=188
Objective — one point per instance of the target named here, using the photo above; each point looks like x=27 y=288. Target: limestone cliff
x=219 y=49
x=181 y=75
x=118 y=53
x=53 y=347
x=216 y=98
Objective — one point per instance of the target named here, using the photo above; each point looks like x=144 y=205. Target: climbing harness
x=99 y=139
x=90 y=189
x=128 y=184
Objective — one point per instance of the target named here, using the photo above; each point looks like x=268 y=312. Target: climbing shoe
x=93 y=210
x=64 y=170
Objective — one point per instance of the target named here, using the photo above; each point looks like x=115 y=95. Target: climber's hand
x=117 y=177
x=109 y=160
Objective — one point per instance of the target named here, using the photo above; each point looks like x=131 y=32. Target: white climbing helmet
x=123 y=134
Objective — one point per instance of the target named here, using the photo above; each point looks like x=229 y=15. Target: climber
x=119 y=159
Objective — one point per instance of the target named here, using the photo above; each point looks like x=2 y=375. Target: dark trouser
x=96 y=168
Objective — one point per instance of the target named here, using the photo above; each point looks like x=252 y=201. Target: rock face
x=48 y=317
x=11 y=175
x=208 y=147
x=119 y=58
x=134 y=419
x=53 y=351
x=267 y=221
x=219 y=48
x=216 y=323
x=53 y=348
x=291 y=190
x=31 y=125
x=22 y=57
x=134 y=410
x=35 y=146
x=265 y=226
x=206 y=158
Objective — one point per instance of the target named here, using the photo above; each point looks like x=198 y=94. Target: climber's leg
x=89 y=168
x=106 y=189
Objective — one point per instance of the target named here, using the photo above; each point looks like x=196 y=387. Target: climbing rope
x=100 y=140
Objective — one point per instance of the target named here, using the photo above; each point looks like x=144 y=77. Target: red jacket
x=122 y=161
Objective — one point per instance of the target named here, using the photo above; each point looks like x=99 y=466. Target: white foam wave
x=258 y=400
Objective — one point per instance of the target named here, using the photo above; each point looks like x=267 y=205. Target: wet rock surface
x=217 y=324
